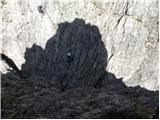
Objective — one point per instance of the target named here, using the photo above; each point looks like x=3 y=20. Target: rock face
x=84 y=66
x=74 y=73
x=129 y=31
x=43 y=99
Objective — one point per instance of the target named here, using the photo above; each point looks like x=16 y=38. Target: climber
x=41 y=9
x=66 y=76
x=69 y=57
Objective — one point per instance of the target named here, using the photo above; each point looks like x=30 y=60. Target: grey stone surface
x=129 y=29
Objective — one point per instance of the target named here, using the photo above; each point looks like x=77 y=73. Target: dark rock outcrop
x=83 y=42
x=42 y=99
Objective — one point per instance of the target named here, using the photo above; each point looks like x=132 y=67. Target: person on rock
x=41 y=9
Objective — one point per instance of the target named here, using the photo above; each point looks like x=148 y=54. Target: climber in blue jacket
x=70 y=57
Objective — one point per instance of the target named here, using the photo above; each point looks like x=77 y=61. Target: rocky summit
x=75 y=55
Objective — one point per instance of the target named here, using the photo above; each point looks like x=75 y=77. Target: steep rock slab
x=75 y=55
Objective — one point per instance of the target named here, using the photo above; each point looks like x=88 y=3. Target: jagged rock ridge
x=88 y=56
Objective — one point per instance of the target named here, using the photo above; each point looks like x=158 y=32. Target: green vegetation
x=2 y=3
x=76 y=13
x=143 y=110
x=137 y=19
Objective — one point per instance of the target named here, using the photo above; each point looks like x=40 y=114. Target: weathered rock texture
x=88 y=56
x=129 y=29
x=43 y=99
